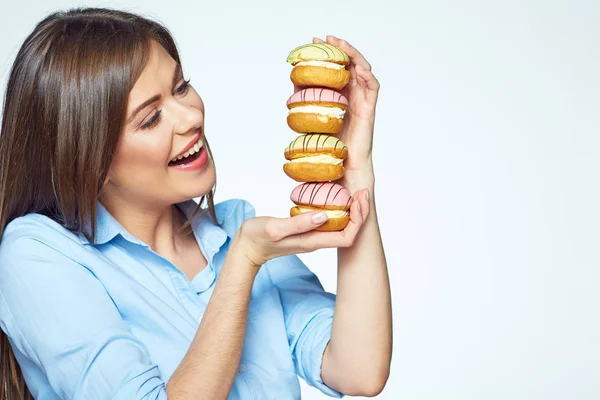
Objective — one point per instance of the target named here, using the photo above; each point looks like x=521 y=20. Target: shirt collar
x=107 y=228
x=210 y=235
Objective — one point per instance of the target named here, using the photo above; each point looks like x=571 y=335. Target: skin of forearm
x=357 y=359
x=209 y=367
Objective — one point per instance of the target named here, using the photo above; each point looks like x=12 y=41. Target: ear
x=107 y=180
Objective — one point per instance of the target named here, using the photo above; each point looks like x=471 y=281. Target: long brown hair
x=64 y=109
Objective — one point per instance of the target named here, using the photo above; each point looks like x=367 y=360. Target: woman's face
x=164 y=120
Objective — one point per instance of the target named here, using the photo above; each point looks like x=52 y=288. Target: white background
x=487 y=157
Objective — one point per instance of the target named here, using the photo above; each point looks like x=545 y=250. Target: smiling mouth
x=190 y=155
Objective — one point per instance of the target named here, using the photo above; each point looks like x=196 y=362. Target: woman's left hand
x=359 y=121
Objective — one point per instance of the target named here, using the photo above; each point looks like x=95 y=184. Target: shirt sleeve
x=307 y=308
x=58 y=315
x=308 y=312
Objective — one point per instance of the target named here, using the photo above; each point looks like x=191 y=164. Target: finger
x=355 y=56
x=368 y=80
x=318 y=40
x=353 y=76
x=280 y=228
x=312 y=241
x=365 y=204
x=356 y=216
x=367 y=76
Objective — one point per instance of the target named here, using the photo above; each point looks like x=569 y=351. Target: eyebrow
x=176 y=75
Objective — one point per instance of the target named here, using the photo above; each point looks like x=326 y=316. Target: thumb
x=303 y=222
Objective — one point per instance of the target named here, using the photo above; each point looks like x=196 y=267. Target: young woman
x=115 y=284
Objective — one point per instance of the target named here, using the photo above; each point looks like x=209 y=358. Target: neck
x=156 y=225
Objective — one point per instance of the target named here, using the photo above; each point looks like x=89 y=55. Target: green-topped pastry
x=319 y=65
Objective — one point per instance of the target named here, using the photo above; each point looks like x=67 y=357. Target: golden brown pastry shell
x=311 y=76
x=317 y=104
x=313 y=172
x=340 y=152
x=332 y=224
x=344 y=208
x=314 y=123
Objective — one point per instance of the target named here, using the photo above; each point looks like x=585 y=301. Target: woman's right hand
x=261 y=239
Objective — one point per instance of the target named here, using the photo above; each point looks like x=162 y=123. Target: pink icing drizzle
x=317 y=95
x=321 y=194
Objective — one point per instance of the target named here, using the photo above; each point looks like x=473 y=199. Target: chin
x=202 y=186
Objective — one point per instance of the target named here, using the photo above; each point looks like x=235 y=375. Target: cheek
x=140 y=156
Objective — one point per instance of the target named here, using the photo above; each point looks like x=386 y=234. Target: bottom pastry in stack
x=330 y=197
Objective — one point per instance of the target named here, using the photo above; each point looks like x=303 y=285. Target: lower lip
x=196 y=164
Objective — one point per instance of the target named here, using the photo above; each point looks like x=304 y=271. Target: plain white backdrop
x=487 y=157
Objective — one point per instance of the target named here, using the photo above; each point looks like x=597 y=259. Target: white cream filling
x=328 y=111
x=320 y=159
x=320 y=64
x=330 y=213
x=193 y=150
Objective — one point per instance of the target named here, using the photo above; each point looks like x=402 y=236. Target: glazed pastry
x=319 y=64
x=316 y=110
x=315 y=158
x=330 y=197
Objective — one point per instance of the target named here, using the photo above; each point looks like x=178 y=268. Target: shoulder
x=232 y=213
x=33 y=234
x=37 y=226
x=37 y=256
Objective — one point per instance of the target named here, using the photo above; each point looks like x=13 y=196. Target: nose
x=185 y=118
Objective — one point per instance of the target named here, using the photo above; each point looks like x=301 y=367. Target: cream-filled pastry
x=316 y=110
x=330 y=197
x=319 y=64
x=315 y=157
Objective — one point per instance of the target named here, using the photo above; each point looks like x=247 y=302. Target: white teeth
x=194 y=149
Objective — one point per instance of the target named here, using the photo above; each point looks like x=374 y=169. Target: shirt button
x=242 y=368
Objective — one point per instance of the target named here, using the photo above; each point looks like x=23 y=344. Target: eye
x=152 y=122
x=183 y=88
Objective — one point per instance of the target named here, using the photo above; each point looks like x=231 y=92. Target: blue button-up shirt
x=113 y=319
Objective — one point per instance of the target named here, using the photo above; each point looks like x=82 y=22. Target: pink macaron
x=330 y=197
x=316 y=110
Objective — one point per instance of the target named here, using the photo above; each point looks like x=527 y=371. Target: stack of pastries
x=316 y=112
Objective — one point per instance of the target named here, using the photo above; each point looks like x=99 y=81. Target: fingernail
x=319 y=217
x=367 y=195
